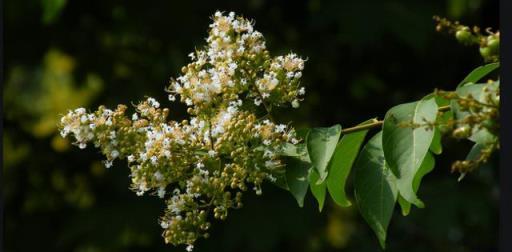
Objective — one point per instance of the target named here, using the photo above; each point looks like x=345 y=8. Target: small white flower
x=130 y=158
x=267 y=142
x=280 y=128
x=269 y=163
x=108 y=163
x=82 y=145
x=200 y=165
x=172 y=98
x=302 y=91
x=161 y=192
x=158 y=176
x=257 y=190
x=114 y=154
x=135 y=117
x=190 y=248
x=152 y=102
x=164 y=224
x=154 y=160
x=212 y=153
x=108 y=122
x=295 y=103
x=188 y=101
x=257 y=101
x=83 y=119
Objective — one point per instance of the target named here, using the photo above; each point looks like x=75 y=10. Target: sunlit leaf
x=426 y=166
x=479 y=92
x=406 y=141
x=341 y=164
x=436 y=147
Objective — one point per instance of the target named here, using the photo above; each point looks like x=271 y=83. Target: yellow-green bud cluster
x=489 y=42
x=202 y=165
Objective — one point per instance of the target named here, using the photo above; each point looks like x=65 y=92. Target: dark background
x=363 y=56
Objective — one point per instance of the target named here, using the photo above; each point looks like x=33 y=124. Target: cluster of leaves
x=391 y=165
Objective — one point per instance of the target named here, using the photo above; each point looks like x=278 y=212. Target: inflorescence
x=230 y=144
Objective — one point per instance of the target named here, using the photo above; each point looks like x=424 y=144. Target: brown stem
x=378 y=123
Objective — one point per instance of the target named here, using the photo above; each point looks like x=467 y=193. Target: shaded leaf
x=318 y=188
x=297 y=177
x=321 y=143
x=375 y=187
x=478 y=73
x=473 y=154
x=298 y=165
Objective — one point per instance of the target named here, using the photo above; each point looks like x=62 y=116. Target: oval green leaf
x=426 y=166
x=405 y=146
x=341 y=164
x=375 y=188
x=321 y=143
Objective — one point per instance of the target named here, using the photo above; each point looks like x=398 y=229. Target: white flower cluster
x=202 y=165
x=236 y=62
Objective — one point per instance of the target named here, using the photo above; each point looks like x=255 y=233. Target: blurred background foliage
x=364 y=56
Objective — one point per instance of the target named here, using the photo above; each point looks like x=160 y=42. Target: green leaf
x=293 y=150
x=321 y=143
x=426 y=166
x=52 y=9
x=375 y=188
x=473 y=154
x=479 y=92
x=478 y=73
x=297 y=177
x=341 y=164
x=436 y=147
x=404 y=146
x=317 y=188
x=297 y=168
